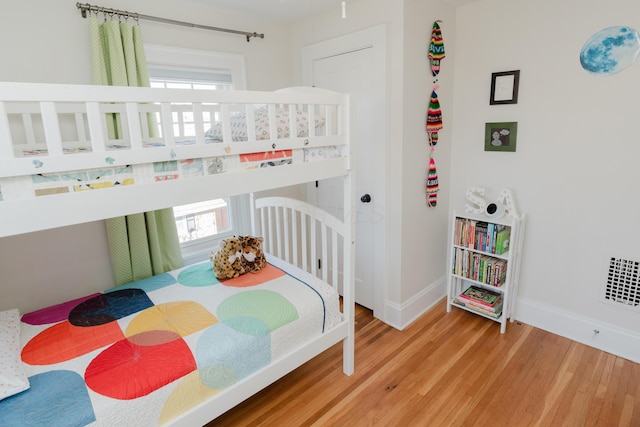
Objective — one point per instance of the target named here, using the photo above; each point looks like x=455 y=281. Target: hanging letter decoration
x=432 y=184
x=436 y=49
x=504 y=204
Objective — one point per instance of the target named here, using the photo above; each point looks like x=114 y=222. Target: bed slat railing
x=6 y=150
x=251 y=130
x=51 y=128
x=29 y=134
x=279 y=226
x=320 y=250
x=198 y=122
x=80 y=129
x=167 y=125
x=337 y=252
x=273 y=130
x=96 y=128
x=133 y=119
x=293 y=123
x=311 y=118
x=54 y=137
x=225 y=118
x=53 y=122
x=334 y=255
x=304 y=256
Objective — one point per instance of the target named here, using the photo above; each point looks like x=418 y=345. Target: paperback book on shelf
x=503 y=238
x=481 y=296
x=479 y=267
x=481 y=300
x=495 y=312
x=483 y=236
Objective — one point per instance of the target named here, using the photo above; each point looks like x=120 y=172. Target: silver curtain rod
x=86 y=7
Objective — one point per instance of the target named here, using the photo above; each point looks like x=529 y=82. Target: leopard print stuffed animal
x=253 y=259
x=228 y=261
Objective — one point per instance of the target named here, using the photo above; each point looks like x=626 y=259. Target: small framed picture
x=500 y=136
x=504 y=87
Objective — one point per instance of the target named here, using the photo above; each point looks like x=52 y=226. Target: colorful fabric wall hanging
x=434 y=117
x=434 y=113
x=436 y=49
x=432 y=184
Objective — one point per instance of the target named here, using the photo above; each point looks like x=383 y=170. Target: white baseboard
x=402 y=315
x=614 y=340
x=602 y=336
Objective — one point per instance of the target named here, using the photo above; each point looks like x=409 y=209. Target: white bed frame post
x=260 y=226
x=349 y=243
x=282 y=221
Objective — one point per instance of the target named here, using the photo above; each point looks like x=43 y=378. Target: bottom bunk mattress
x=143 y=353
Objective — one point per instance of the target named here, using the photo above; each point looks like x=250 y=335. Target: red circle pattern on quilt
x=136 y=366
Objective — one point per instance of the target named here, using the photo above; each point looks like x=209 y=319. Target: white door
x=349 y=68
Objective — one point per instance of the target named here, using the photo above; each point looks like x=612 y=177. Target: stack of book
x=479 y=267
x=482 y=236
x=481 y=300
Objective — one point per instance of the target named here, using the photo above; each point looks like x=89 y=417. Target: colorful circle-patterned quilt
x=152 y=349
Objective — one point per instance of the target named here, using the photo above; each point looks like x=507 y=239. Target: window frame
x=168 y=57
x=198 y=250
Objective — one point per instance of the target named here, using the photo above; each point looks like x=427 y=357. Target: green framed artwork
x=500 y=136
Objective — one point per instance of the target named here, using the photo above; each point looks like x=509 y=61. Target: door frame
x=376 y=39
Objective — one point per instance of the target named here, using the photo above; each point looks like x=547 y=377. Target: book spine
x=489 y=237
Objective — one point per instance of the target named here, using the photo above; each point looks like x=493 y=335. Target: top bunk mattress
x=146 y=352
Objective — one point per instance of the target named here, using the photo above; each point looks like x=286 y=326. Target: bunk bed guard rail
x=81 y=134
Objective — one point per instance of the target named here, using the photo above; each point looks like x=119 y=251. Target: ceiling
x=282 y=10
x=295 y=10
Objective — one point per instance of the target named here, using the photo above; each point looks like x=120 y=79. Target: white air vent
x=622 y=282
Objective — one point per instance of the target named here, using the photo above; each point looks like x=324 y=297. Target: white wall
x=362 y=15
x=424 y=229
x=575 y=172
x=47 y=41
x=415 y=235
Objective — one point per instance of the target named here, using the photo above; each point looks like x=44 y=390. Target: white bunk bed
x=59 y=165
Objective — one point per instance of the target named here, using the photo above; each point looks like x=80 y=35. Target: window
x=200 y=225
x=202 y=220
x=185 y=78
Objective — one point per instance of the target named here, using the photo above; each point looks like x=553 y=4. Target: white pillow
x=13 y=379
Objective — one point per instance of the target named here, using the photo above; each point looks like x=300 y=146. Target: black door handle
x=365 y=199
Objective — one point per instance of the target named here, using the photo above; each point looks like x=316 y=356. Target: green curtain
x=144 y=244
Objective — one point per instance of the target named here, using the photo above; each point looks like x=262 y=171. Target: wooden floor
x=452 y=369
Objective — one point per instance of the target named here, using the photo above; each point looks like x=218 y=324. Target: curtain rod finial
x=254 y=35
x=83 y=8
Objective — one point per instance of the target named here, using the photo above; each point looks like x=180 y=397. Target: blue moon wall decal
x=610 y=50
